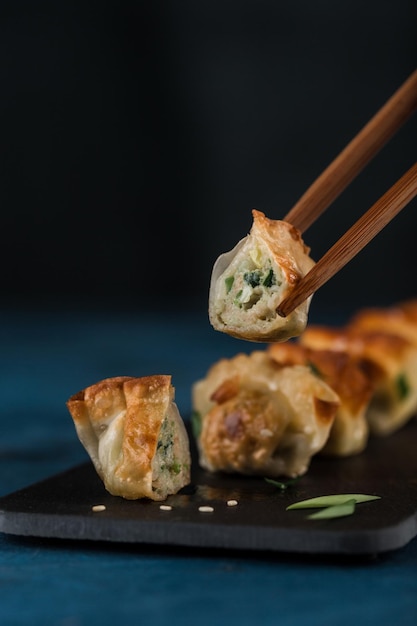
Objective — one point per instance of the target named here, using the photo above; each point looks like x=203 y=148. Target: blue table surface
x=48 y=356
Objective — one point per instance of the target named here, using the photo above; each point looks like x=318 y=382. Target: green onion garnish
x=337 y=510
x=332 y=500
x=332 y=506
x=282 y=485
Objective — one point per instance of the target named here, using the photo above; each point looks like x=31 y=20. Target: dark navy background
x=137 y=137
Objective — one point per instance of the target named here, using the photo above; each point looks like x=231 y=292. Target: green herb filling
x=196 y=424
x=237 y=299
x=403 y=386
x=229 y=283
x=314 y=369
x=269 y=279
x=252 y=278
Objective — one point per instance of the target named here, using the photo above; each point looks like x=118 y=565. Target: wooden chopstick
x=356 y=238
x=373 y=136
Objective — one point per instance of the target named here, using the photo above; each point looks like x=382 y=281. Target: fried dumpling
x=398 y=320
x=134 y=435
x=259 y=418
x=391 y=363
x=344 y=374
x=249 y=283
x=409 y=309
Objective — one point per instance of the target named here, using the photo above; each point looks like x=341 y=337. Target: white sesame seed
x=232 y=503
x=266 y=432
x=165 y=507
x=98 y=507
x=206 y=509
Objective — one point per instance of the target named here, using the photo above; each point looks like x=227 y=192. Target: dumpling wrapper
x=258 y=418
x=343 y=373
x=389 y=360
x=250 y=282
x=398 y=320
x=134 y=435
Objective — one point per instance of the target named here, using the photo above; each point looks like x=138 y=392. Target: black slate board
x=61 y=507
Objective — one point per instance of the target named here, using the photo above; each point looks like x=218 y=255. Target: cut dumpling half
x=134 y=435
x=249 y=283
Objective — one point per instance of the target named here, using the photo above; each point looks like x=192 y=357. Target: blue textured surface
x=45 y=359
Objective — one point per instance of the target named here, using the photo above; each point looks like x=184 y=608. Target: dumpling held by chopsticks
x=249 y=283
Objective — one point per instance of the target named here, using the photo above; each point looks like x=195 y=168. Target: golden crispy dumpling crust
x=344 y=374
x=388 y=359
x=398 y=320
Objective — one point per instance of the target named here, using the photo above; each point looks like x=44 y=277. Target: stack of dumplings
x=328 y=391
x=266 y=413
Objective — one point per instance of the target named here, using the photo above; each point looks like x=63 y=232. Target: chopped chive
x=176 y=467
x=252 y=278
x=229 y=283
x=196 y=424
x=238 y=296
x=314 y=369
x=269 y=279
x=403 y=386
x=282 y=484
